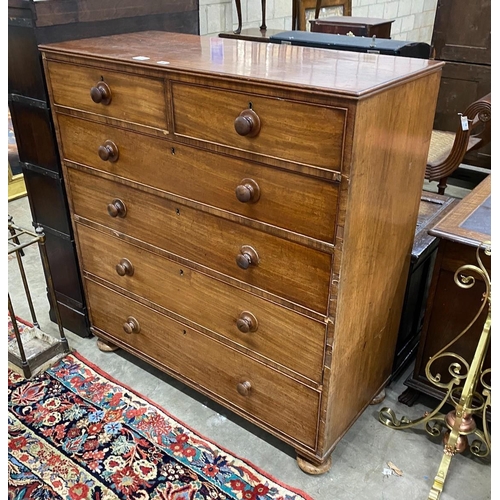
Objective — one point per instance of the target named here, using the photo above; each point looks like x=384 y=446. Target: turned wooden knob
x=101 y=93
x=125 y=267
x=131 y=325
x=117 y=209
x=247 y=123
x=248 y=191
x=244 y=388
x=108 y=151
x=247 y=257
x=247 y=322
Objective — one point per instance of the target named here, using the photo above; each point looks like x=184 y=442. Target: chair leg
x=295 y=14
x=318 y=7
x=263 y=26
x=442 y=185
x=238 y=13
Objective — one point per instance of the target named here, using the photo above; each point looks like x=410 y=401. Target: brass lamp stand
x=466 y=400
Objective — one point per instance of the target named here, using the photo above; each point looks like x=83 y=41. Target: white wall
x=414 y=19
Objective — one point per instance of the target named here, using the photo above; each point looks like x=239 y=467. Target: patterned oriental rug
x=76 y=433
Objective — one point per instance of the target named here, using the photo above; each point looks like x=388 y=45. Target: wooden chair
x=295 y=14
x=447 y=149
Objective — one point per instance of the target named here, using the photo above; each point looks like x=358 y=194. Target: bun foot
x=314 y=469
x=106 y=346
x=378 y=398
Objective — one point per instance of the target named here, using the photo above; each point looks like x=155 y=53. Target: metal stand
x=467 y=402
x=33 y=349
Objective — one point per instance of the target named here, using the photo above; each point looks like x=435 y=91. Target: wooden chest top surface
x=350 y=73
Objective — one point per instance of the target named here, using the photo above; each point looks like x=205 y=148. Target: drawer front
x=272 y=397
x=135 y=99
x=254 y=324
x=301 y=204
x=285 y=268
x=293 y=131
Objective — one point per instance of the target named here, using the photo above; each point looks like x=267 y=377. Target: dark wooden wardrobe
x=31 y=23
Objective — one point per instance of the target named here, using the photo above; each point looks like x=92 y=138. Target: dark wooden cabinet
x=462 y=31
x=462 y=38
x=31 y=23
x=358 y=26
x=449 y=308
x=433 y=207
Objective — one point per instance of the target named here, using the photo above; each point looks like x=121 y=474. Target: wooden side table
x=450 y=310
x=358 y=26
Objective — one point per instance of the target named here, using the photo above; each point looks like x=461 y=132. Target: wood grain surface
x=186 y=293
x=293 y=271
x=345 y=73
x=277 y=400
x=295 y=202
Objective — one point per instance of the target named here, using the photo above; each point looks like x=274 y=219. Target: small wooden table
x=450 y=309
x=358 y=26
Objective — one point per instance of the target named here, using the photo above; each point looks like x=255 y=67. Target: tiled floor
x=359 y=470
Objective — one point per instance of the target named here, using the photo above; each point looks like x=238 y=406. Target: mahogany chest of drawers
x=244 y=215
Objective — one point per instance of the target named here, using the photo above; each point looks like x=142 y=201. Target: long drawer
x=241 y=382
x=274 y=127
x=131 y=98
x=290 y=270
x=254 y=324
x=298 y=203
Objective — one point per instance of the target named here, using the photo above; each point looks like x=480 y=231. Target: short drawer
x=237 y=380
x=298 y=203
x=253 y=323
x=131 y=98
x=288 y=130
x=282 y=267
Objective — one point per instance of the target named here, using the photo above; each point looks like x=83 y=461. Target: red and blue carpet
x=75 y=433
